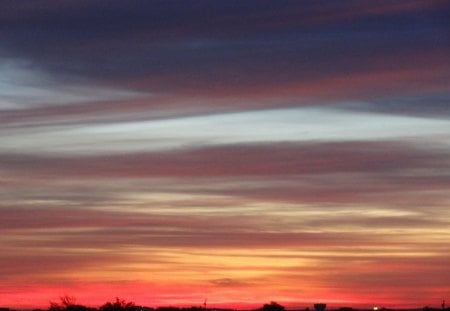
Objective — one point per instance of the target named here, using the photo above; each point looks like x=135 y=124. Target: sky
x=168 y=152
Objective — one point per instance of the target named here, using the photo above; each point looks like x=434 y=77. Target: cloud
x=289 y=159
x=25 y=87
x=269 y=54
x=226 y=282
x=229 y=179
x=265 y=126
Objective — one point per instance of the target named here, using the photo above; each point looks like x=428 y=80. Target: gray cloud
x=240 y=160
x=226 y=282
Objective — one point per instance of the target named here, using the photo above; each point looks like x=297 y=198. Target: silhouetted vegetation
x=272 y=306
x=427 y=308
x=180 y=309
x=320 y=306
x=68 y=303
x=118 y=305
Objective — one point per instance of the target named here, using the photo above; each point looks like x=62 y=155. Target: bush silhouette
x=320 y=306
x=272 y=306
x=68 y=303
x=118 y=305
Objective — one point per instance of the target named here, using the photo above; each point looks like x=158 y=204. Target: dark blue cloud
x=262 y=40
x=434 y=105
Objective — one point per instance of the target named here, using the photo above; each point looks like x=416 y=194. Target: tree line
x=68 y=303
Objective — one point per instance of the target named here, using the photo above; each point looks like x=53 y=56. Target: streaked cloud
x=25 y=87
x=282 y=125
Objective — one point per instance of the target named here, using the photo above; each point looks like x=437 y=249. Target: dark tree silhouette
x=118 y=305
x=272 y=306
x=320 y=306
x=68 y=303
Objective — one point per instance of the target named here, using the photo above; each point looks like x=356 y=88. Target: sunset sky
x=166 y=152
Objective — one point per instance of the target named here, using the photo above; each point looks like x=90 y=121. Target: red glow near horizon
x=149 y=295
